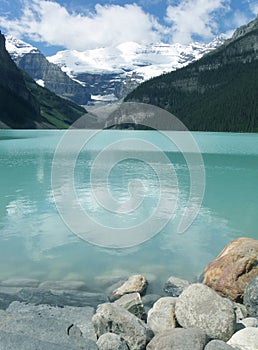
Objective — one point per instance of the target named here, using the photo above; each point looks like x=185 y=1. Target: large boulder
x=199 y=306
x=134 y=284
x=162 y=316
x=111 y=341
x=111 y=318
x=179 y=339
x=218 y=345
x=245 y=339
x=233 y=268
x=251 y=297
x=175 y=286
x=133 y=303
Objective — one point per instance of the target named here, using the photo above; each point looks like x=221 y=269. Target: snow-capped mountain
x=125 y=66
x=106 y=74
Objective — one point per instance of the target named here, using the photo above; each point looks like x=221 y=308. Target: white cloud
x=48 y=21
x=254 y=8
x=195 y=17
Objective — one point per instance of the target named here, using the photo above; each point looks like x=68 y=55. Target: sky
x=52 y=25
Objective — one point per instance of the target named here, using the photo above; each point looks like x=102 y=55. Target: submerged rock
x=111 y=318
x=179 y=339
x=233 y=268
x=251 y=297
x=200 y=307
x=175 y=286
x=111 y=341
x=162 y=316
x=135 y=283
x=246 y=339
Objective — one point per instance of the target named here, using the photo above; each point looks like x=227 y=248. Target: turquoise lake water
x=35 y=242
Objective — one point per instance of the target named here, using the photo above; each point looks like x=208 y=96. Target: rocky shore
x=218 y=312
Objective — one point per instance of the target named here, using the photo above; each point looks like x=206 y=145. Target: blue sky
x=52 y=25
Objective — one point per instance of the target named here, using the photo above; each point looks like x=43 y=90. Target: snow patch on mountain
x=130 y=58
x=18 y=48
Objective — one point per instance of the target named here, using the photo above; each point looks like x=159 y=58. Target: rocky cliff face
x=46 y=74
x=17 y=104
x=24 y=104
x=219 y=92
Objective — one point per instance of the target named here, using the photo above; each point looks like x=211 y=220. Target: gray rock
x=60 y=298
x=162 y=316
x=135 y=283
x=240 y=311
x=251 y=297
x=64 y=285
x=218 y=345
x=199 y=306
x=7 y=298
x=246 y=339
x=132 y=303
x=250 y=322
x=115 y=319
x=9 y=341
x=175 y=286
x=179 y=339
x=150 y=299
x=77 y=316
x=111 y=341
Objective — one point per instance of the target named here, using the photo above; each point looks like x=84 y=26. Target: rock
x=132 y=303
x=218 y=345
x=111 y=341
x=240 y=311
x=115 y=319
x=234 y=268
x=179 y=339
x=246 y=339
x=175 y=286
x=251 y=297
x=135 y=283
x=250 y=322
x=77 y=316
x=162 y=316
x=64 y=285
x=7 y=298
x=9 y=341
x=201 y=307
x=150 y=299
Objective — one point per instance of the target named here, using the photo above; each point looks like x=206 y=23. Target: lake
x=48 y=179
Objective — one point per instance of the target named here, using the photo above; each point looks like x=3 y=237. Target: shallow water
x=36 y=243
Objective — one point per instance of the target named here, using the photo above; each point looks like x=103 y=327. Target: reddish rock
x=233 y=268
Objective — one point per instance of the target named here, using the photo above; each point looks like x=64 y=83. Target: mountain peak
x=243 y=30
x=18 y=48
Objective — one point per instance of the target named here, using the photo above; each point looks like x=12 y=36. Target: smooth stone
x=250 y=322
x=162 y=316
x=79 y=316
x=175 y=286
x=111 y=318
x=132 y=303
x=9 y=341
x=233 y=268
x=246 y=339
x=60 y=298
x=135 y=283
x=179 y=339
x=218 y=345
x=22 y=283
x=111 y=341
x=251 y=297
x=201 y=307
x=64 y=285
